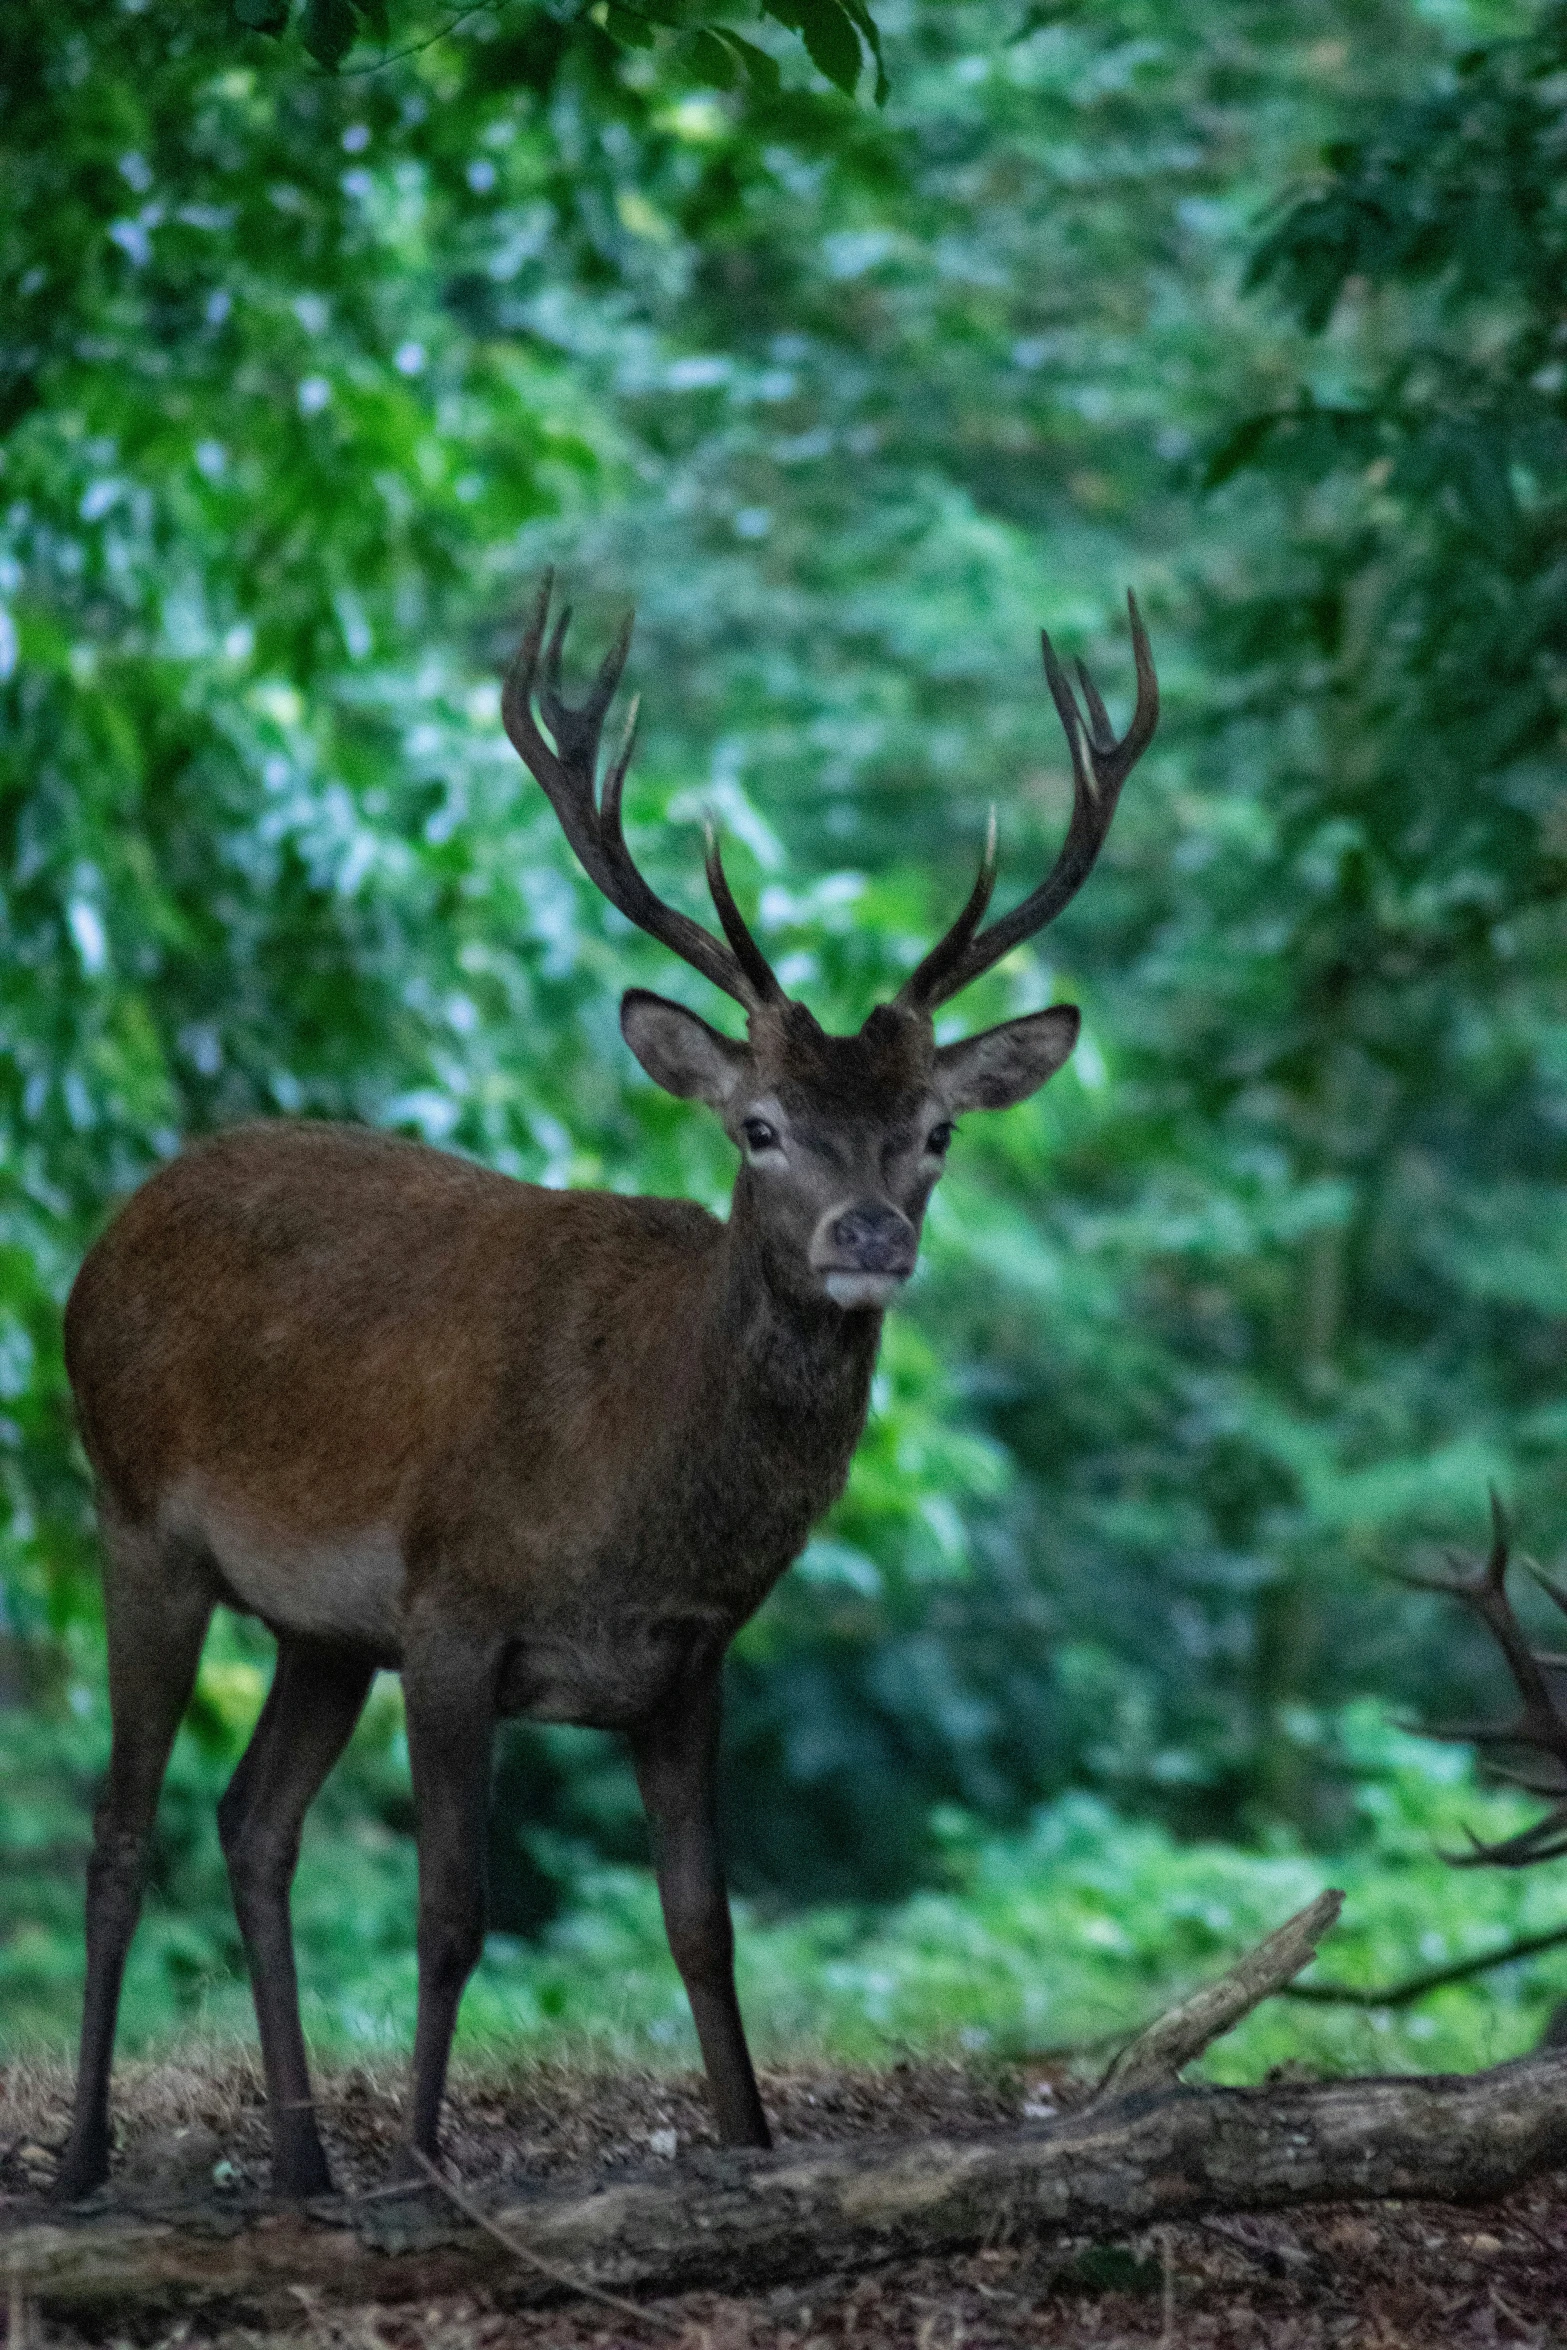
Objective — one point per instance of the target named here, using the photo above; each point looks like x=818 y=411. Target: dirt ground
x=1388 y=2277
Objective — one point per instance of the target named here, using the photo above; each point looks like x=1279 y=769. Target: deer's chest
x=665 y=1593
x=608 y=1672
x=621 y=1597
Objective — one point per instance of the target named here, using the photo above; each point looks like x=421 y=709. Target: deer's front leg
x=449 y=1698
x=676 y=1755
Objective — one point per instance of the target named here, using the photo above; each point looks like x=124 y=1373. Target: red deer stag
x=540 y=1452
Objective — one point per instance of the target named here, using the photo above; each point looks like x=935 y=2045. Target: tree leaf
x=327 y=29
x=712 y=58
x=831 y=40
x=377 y=17
x=1041 y=14
x=1240 y=448
x=760 y=70
x=627 y=27
x=262 y=16
x=870 y=33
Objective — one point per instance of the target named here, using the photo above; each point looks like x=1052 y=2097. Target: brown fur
x=341 y=1330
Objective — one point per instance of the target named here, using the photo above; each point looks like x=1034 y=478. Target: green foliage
x=1068 y=1933
x=1081 y=1927
x=187 y=1963
x=1256 y=1298
x=840 y=36
x=306 y=374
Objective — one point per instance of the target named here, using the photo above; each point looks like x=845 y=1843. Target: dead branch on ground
x=1143 y=2150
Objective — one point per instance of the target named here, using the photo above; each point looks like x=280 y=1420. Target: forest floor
x=1408 y=2276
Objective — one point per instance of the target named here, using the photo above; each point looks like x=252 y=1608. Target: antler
x=1542 y=1723
x=590 y=819
x=1100 y=765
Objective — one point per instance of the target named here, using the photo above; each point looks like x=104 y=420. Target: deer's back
x=327 y=1323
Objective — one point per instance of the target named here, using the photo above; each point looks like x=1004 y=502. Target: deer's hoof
x=300 y=2171
x=80 y=2174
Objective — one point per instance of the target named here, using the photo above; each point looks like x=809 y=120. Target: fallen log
x=1143 y=2150
x=744 y=2220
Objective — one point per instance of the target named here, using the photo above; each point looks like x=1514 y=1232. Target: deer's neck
x=779 y=1401
x=781 y=1352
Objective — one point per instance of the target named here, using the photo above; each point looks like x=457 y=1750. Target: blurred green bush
x=305 y=376
x=1062 y=1935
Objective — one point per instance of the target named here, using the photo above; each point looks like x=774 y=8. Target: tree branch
x=1155 y=2059
x=1434 y=1978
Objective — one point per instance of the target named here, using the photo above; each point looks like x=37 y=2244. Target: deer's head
x=842 y=1138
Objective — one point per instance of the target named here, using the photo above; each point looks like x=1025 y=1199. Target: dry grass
x=532 y=2120
x=1388 y=2277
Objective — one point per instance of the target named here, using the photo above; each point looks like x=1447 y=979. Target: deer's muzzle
x=864 y=1253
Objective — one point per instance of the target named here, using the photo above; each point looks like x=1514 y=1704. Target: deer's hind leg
x=158 y=1600
x=317 y=1696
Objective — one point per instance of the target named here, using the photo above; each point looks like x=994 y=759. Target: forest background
x=850 y=347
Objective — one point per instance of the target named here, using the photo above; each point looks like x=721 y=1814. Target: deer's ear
x=1006 y=1064
x=679 y=1051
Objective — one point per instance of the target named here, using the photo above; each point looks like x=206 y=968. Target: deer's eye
x=759 y=1136
x=939 y=1137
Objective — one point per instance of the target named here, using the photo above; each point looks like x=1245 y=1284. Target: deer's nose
x=871 y=1237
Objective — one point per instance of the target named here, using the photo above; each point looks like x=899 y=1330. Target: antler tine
x=559 y=717
x=1101 y=763
x=550 y=697
x=924 y=983
x=567 y=772
x=577 y=729
x=1145 y=710
x=517 y=692
x=1488 y=1734
x=566 y=776
x=1100 y=731
x=1546 y=1840
x=747 y=953
x=1501 y=1536
x=1548 y=1778
x=1553 y=1591
x=1540 y=1725
x=518 y=689
x=610 y=826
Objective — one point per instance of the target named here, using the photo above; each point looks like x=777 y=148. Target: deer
x=541 y=1452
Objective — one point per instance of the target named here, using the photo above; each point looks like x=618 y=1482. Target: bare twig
x=331 y=2206
x=1156 y=2058
x=16 y=2313
x=1434 y=1978
x=546 y=2268
x=319 y=2328
x=356 y=73
x=1275 y=2259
